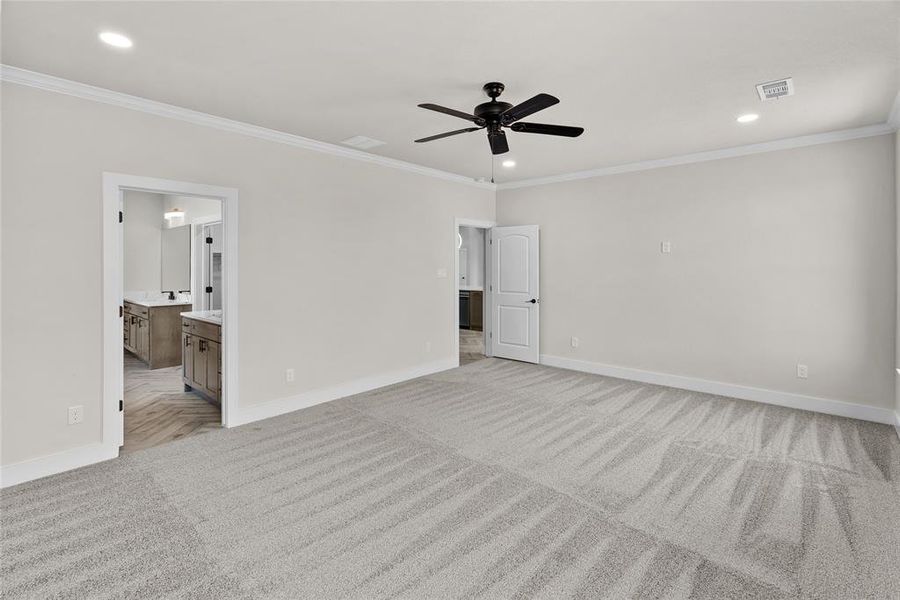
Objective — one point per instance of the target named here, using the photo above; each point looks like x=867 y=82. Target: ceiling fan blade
x=563 y=130
x=529 y=107
x=453 y=113
x=448 y=134
x=498 y=142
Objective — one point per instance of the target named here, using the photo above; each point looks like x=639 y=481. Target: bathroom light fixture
x=175 y=213
x=116 y=39
x=748 y=118
x=509 y=163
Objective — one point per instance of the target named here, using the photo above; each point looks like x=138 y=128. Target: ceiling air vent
x=776 y=89
x=362 y=142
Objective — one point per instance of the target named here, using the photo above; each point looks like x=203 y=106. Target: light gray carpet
x=495 y=480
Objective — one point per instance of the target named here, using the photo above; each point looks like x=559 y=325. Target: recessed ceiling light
x=509 y=163
x=115 y=39
x=748 y=118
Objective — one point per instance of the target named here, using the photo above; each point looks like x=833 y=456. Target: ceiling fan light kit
x=496 y=115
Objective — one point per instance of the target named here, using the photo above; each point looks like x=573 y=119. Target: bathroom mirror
x=176 y=258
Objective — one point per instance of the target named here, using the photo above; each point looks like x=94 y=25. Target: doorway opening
x=506 y=289
x=472 y=250
x=171 y=252
x=170 y=270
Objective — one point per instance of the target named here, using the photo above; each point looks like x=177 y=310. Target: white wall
x=473 y=242
x=193 y=206
x=897 y=337
x=777 y=259
x=311 y=238
x=142 y=244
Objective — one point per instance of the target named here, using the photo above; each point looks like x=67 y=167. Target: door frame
x=197 y=225
x=486 y=296
x=114 y=187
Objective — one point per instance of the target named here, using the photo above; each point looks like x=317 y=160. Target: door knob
x=533 y=301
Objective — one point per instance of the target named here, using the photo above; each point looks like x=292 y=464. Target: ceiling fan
x=494 y=116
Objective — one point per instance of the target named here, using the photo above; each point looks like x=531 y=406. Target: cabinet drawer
x=135 y=309
x=186 y=325
x=206 y=330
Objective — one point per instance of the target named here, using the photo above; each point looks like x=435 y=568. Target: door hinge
x=209 y=289
x=121 y=216
x=121 y=311
x=121 y=405
x=209 y=240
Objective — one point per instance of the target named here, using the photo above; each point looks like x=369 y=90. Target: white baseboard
x=897 y=422
x=788 y=399
x=273 y=408
x=66 y=460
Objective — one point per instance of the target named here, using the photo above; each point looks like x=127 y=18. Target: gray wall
x=141 y=241
x=777 y=259
x=311 y=238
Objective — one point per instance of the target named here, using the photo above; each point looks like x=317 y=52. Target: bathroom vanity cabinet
x=151 y=332
x=201 y=364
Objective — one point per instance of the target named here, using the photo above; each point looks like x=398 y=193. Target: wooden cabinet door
x=199 y=351
x=187 y=358
x=476 y=310
x=212 y=369
x=132 y=333
x=139 y=338
x=145 y=339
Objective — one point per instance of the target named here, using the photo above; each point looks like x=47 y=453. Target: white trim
x=274 y=408
x=113 y=186
x=89 y=92
x=486 y=295
x=646 y=165
x=788 y=399
x=897 y=422
x=66 y=460
x=894 y=116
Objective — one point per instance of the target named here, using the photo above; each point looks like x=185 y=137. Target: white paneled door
x=515 y=304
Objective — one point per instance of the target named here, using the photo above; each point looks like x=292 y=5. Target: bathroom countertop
x=152 y=303
x=209 y=316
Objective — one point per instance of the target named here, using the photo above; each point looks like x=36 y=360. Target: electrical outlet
x=574 y=342
x=665 y=247
x=442 y=273
x=427 y=347
x=288 y=375
x=802 y=371
x=76 y=415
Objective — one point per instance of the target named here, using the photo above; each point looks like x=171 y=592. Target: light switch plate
x=442 y=273
x=289 y=375
x=665 y=247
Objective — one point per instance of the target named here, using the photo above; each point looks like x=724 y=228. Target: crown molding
x=646 y=165
x=84 y=91
x=894 y=116
x=89 y=92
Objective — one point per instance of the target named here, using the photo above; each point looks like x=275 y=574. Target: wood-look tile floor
x=471 y=346
x=158 y=410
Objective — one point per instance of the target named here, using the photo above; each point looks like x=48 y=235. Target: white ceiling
x=647 y=79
